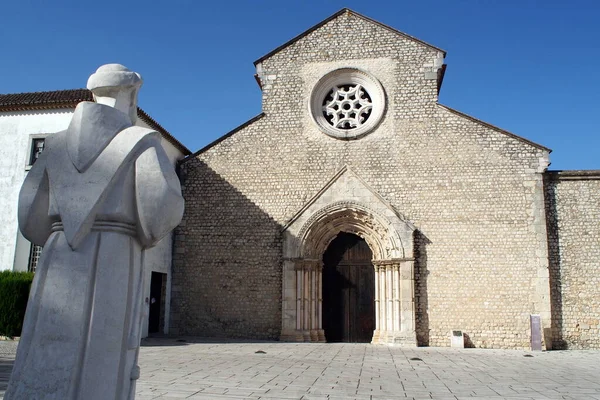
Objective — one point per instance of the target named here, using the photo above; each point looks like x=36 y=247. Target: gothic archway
x=389 y=237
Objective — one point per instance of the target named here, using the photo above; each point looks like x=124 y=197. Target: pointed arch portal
x=390 y=241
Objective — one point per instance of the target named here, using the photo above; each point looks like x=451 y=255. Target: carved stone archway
x=391 y=240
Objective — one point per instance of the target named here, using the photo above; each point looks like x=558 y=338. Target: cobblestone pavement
x=205 y=369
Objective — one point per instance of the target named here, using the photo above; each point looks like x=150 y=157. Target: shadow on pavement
x=161 y=341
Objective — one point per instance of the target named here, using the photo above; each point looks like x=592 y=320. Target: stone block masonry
x=473 y=192
x=573 y=204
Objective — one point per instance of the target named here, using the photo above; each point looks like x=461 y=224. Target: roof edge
x=487 y=125
x=334 y=16
x=225 y=136
x=575 y=175
x=30 y=107
x=143 y=115
x=80 y=95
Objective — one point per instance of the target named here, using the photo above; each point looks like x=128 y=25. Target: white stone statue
x=101 y=193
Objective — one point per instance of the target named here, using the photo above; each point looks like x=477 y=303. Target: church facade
x=354 y=208
x=357 y=208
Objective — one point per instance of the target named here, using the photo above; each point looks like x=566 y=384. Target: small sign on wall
x=536 y=332
x=457 y=340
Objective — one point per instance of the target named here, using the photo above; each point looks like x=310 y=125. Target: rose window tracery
x=347 y=106
x=347 y=103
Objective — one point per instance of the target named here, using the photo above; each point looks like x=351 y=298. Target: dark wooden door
x=348 y=290
x=156 y=300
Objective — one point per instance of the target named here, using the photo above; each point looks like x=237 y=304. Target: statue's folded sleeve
x=158 y=195
x=34 y=222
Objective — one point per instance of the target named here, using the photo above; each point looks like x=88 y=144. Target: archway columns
x=307 y=298
x=348 y=204
x=395 y=302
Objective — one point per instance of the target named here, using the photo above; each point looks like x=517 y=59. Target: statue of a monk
x=101 y=193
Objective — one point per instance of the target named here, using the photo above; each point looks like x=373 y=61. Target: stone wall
x=473 y=192
x=573 y=209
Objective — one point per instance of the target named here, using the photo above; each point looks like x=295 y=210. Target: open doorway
x=348 y=290
x=158 y=289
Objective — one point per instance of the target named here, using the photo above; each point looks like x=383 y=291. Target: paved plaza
x=209 y=369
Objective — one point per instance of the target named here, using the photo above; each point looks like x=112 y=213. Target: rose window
x=347 y=106
x=347 y=103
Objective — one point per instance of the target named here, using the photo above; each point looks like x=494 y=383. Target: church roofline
x=487 y=125
x=65 y=99
x=221 y=138
x=575 y=175
x=334 y=16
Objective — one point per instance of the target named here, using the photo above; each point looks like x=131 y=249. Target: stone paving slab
x=219 y=370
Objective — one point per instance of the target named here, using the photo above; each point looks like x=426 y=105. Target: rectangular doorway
x=158 y=290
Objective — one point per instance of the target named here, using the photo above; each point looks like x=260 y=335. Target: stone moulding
x=390 y=238
x=352 y=217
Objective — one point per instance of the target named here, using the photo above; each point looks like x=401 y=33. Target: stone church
x=354 y=208
x=357 y=208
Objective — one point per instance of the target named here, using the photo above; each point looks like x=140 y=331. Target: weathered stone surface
x=470 y=190
x=473 y=193
x=573 y=203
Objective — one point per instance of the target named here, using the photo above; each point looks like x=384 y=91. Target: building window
x=37 y=146
x=347 y=106
x=34 y=257
x=347 y=103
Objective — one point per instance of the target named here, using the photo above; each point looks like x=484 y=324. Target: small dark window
x=34 y=257
x=37 y=146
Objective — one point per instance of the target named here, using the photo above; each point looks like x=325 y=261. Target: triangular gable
x=345 y=185
x=336 y=15
x=346 y=193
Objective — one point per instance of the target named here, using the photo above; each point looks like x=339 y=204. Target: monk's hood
x=92 y=128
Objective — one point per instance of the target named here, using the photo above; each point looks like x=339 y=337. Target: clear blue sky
x=528 y=66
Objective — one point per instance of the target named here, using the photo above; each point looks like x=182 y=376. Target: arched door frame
x=391 y=241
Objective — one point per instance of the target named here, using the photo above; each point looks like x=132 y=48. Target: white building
x=25 y=120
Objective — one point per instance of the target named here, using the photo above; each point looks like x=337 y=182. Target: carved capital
x=385 y=265
x=308 y=265
x=382 y=263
